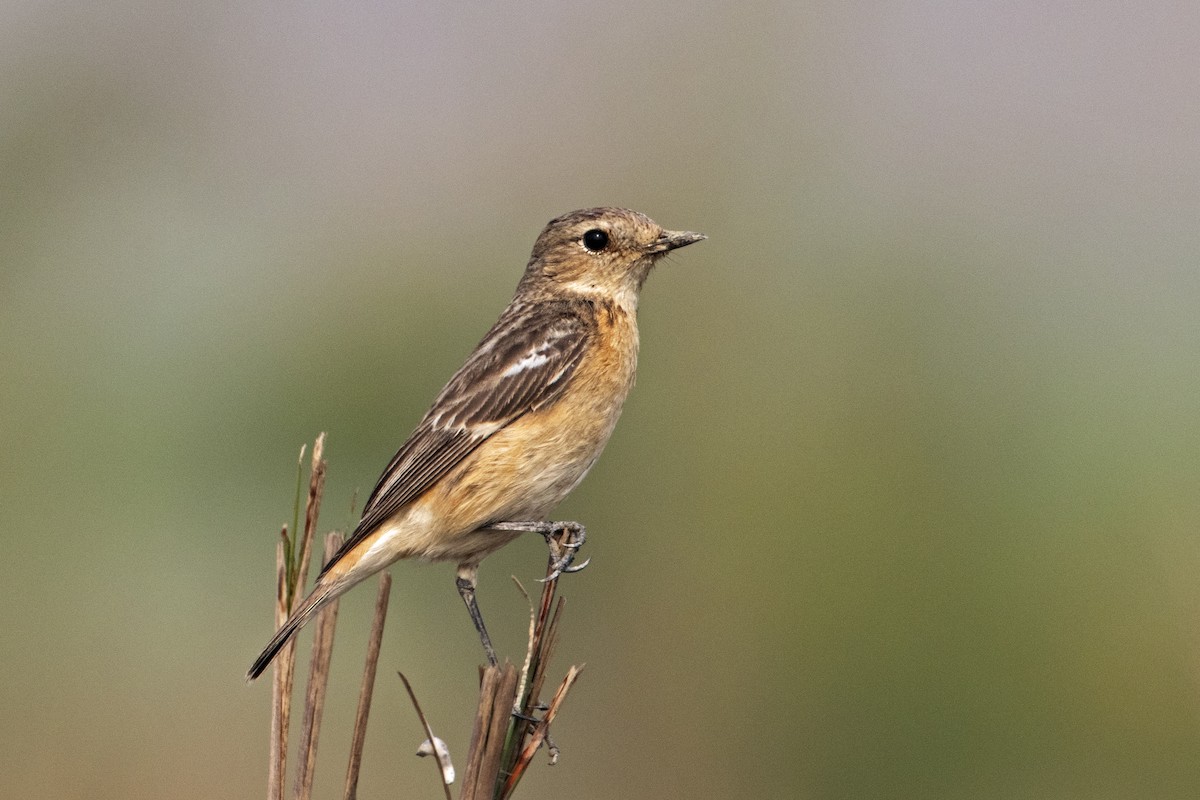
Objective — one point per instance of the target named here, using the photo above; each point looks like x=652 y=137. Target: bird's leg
x=562 y=553
x=465 y=581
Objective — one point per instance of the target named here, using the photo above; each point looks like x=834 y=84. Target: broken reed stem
x=312 y=508
x=497 y=692
x=318 y=680
x=501 y=720
x=281 y=685
x=489 y=677
x=359 y=738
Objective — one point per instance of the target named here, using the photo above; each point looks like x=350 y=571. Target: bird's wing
x=524 y=363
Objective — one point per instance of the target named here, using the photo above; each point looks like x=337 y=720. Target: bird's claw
x=562 y=567
x=575 y=536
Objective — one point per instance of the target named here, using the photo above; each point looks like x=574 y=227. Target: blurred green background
x=905 y=503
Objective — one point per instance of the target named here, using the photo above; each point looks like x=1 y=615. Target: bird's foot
x=562 y=551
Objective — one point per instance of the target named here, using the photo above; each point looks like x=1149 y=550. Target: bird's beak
x=672 y=240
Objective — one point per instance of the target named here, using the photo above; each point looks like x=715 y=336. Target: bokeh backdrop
x=906 y=503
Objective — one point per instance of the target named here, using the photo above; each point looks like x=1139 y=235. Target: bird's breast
x=524 y=470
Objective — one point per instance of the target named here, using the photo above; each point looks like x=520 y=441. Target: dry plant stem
x=489 y=677
x=281 y=685
x=428 y=733
x=540 y=731
x=286 y=599
x=541 y=647
x=489 y=767
x=316 y=486
x=547 y=642
x=525 y=698
x=368 y=687
x=496 y=697
x=318 y=679
x=528 y=650
x=543 y=638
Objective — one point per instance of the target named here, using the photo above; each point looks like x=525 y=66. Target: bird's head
x=601 y=251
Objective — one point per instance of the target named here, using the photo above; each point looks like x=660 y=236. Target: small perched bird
x=520 y=424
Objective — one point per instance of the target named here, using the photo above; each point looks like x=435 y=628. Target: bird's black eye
x=595 y=240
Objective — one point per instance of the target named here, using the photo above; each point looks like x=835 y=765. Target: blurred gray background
x=905 y=503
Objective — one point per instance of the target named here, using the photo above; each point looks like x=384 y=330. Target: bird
x=519 y=425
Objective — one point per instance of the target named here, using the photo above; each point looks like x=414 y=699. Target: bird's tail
x=317 y=598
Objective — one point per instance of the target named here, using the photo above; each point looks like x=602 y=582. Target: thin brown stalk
x=543 y=637
x=280 y=692
x=428 y=734
x=546 y=645
x=368 y=687
x=318 y=679
x=312 y=508
x=537 y=656
x=529 y=648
